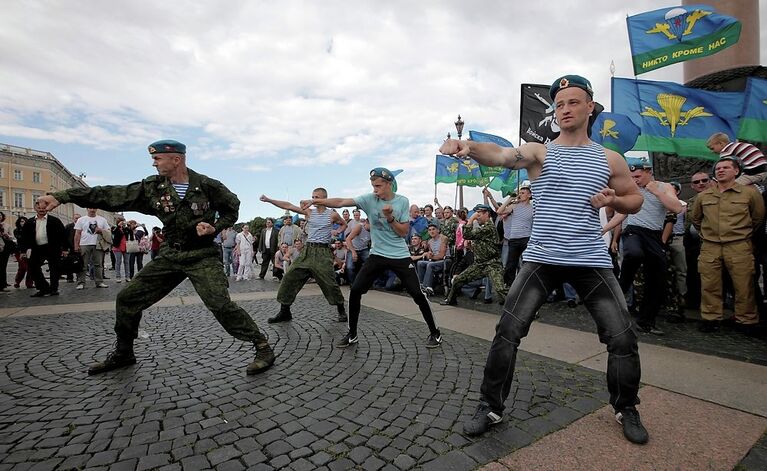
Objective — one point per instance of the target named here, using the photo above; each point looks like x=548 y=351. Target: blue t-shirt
x=384 y=241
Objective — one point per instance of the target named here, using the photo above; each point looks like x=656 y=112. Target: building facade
x=26 y=174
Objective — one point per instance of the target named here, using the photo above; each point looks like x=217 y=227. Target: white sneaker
x=237 y=278
x=127 y=280
x=80 y=286
x=102 y=285
x=119 y=280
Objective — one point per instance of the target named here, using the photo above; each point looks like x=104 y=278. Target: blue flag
x=469 y=173
x=446 y=169
x=615 y=131
x=485 y=137
x=753 y=126
x=676 y=119
x=676 y=34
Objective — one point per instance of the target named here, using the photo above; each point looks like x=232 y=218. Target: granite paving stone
x=386 y=403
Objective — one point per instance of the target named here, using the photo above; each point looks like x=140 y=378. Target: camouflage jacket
x=448 y=228
x=206 y=200
x=484 y=241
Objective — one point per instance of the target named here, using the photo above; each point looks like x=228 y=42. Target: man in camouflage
x=484 y=237
x=193 y=209
x=315 y=260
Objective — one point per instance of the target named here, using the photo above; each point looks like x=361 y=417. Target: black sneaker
x=448 y=302
x=651 y=329
x=482 y=420
x=115 y=359
x=434 y=340
x=281 y=316
x=633 y=429
x=347 y=341
x=342 y=317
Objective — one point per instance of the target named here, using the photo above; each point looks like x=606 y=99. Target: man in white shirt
x=87 y=230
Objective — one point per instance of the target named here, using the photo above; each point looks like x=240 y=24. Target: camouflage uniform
x=183 y=253
x=487 y=259
x=315 y=261
x=448 y=228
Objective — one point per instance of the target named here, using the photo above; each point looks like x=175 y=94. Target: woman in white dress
x=244 y=245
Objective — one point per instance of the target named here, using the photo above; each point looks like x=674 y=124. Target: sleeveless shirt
x=318 y=226
x=566 y=227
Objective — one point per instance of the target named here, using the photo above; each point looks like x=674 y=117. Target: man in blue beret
x=481 y=231
x=572 y=178
x=389 y=225
x=193 y=209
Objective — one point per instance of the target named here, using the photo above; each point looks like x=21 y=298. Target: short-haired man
x=389 y=225
x=357 y=239
x=433 y=260
x=192 y=208
x=517 y=214
x=481 y=231
x=643 y=245
x=87 y=230
x=726 y=216
x=43 y=239
x=572 y=252
x=751 y=159
x=314 y=261
x=699 y=182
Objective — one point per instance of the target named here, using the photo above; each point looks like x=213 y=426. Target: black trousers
x=374 y=267
x=268 y=256
x=601 y=295
x=52 y=255
x=516 y=247
x=643 y=247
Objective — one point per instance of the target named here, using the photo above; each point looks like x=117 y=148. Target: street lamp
x=459 y=127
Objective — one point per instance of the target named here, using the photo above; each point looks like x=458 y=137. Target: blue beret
x=569 y=81
x=386 y=174
x=167 y=146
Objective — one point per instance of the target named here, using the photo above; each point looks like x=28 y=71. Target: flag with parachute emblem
x=615 y=131
x=485 y=137
x=753 y=125
x=446 y=169
x=469 y=173
x=675 y=34
x=676 y=119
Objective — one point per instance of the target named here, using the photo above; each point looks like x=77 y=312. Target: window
x=2 y=172
x=34 y=197
x=18 y=200
x=2 y=198
x=17 y=175
x=35 y=177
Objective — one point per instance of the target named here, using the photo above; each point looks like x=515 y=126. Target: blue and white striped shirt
x=566 y=227
x=318 y=226
x=181 y=189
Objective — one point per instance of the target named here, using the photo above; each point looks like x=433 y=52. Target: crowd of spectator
x=704 y=253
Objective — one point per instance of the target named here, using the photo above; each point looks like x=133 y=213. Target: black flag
x=537 y=120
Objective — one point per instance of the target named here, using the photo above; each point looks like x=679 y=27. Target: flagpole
x=459 y=127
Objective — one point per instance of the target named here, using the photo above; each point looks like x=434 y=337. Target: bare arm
x=283 y=205
x=349 y=238
x=78 y=232
x=330 y=202
x=529 y=156
x=666 y=195
x=666 y=234
x=442 y=249
x=614 y=222
x=339 y=220
x=621 y=193
x=507 y=207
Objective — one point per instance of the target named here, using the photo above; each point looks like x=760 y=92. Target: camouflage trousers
x=315 y=261
x=205 y=270
x=492 y=269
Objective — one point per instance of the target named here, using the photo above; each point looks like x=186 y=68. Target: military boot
x=283 y=316
x=264 y=358
x=120 y=357
x=342 y=313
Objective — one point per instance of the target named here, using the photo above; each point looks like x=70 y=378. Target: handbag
x=131 y=246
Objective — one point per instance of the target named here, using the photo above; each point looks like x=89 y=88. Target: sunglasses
x=698 y=182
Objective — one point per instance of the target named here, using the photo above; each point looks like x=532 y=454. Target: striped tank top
x=651 y=216
x=566 y=228
x=318 y=226
x=521 y=221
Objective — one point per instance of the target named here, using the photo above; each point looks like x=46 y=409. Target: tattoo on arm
x=517 y=156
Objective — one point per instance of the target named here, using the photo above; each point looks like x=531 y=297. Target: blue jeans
x=570 y=293
x=601 y=295
x=121 y=260
x=427 y=269
x=228 y=259
x=352 y=267
x=468 y=288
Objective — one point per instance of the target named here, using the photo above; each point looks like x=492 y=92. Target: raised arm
x=329 y=202
x=529 y=156
x=283 y=205
x=335 y=217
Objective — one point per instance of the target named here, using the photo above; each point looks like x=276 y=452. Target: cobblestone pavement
x=387 y=403
x=726 y=343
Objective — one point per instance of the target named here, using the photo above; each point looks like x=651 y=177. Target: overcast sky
x=282 y=97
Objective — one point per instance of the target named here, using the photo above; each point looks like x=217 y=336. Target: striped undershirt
x=318 y=226
x=181 y=189
x=566 y=228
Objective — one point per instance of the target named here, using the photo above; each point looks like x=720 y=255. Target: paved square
x=388 y=403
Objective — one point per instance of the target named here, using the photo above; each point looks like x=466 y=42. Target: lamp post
x=459 y=127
